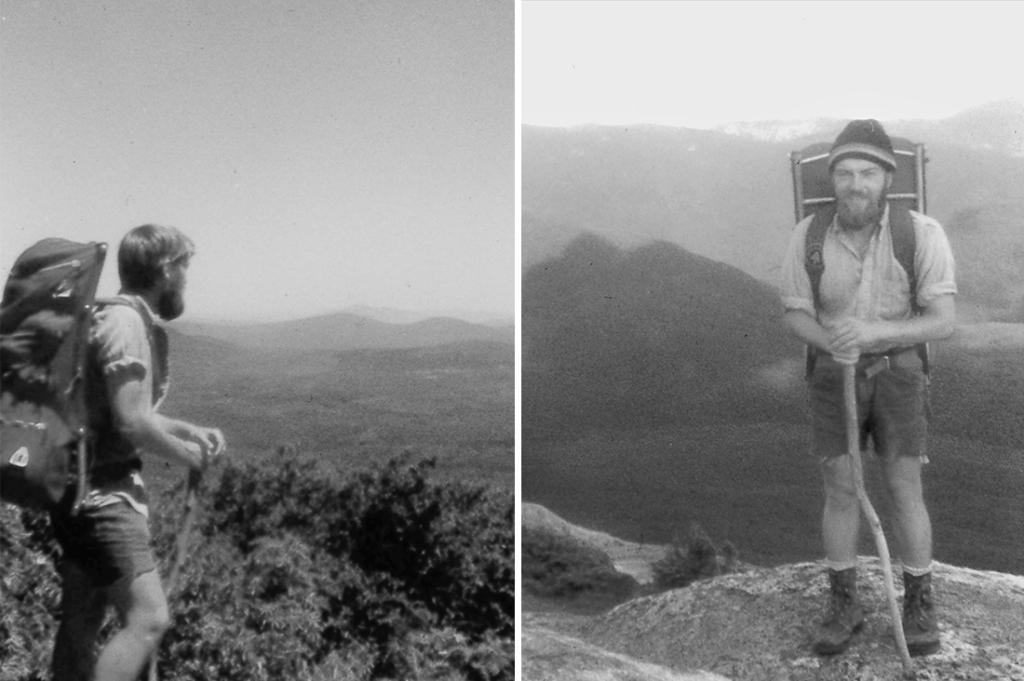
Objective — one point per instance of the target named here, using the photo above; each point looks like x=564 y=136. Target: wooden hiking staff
x=853 y=447
x=180 y=547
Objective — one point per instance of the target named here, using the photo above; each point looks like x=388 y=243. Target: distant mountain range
x=728 y=196
x=346 y=331
x=393 y=316
x=993 y=126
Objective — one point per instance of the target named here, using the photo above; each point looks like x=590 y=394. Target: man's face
x=860 y=187
x=171 y=303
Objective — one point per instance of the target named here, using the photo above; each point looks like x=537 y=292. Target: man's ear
x=165 y=271
x=889 y=174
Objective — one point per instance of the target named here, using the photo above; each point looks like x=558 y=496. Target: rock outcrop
x=759 y=625
x=628 y=558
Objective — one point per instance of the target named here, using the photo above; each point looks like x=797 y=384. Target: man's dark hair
x=144 y=251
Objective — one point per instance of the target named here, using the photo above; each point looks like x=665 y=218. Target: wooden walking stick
x=180 y=547
x=853 y=447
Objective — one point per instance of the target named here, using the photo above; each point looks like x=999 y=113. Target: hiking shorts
x=109 y=543
x=892 y=407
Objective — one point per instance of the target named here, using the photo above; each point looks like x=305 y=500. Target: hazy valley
x=354 y=389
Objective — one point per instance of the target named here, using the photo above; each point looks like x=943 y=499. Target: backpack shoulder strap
x=814 y=247
x=904 y=246
x=125 y=302
x=814 y=264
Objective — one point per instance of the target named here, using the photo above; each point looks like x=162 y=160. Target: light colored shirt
x=124 y=350
x=873 y=287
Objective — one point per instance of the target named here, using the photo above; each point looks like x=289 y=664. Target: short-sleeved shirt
x=872 y=288
x=125 y=344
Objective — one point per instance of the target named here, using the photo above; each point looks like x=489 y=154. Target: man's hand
x=209 y=442
x=213 y=438
x=846 y=358
x=848 y=337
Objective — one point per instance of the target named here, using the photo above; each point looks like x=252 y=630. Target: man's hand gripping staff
x=847 y=337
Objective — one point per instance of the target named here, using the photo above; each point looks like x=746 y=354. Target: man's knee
x=837 y=473
x=150 y=624
x=154 y=622
x=903 y=483
x=143 y=607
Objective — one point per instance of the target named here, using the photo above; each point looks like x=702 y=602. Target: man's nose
x=858 y=183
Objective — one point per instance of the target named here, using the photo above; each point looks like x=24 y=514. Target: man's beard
x=170 y=305
x=857 y=218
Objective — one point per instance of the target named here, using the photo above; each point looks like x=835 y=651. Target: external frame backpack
x=45 y=319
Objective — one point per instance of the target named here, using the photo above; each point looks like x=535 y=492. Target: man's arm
x=145 y=429
x=806 y=328
x=937 y=321
x=190 y=432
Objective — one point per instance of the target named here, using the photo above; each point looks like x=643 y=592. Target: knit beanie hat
x=863 y=139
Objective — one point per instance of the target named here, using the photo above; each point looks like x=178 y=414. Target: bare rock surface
x=759 y=624
x=550 y=655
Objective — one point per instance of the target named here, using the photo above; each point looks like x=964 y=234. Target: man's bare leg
x=142 y=607
x=840 y=523
x=911 y=524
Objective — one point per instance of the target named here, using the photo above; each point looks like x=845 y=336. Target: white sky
x=320 y=153
x=701 y=64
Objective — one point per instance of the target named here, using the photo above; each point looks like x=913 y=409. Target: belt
x=871 y=364
x=891 y=352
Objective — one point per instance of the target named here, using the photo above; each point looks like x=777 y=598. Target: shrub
x=697 y=557
x=450 y=547
x=394 y=557
x=235 y=616
x=557 y=565
x=295 y=574
x=29 y=594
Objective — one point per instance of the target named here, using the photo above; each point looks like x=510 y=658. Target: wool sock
x=839 y=567
x=917 y=572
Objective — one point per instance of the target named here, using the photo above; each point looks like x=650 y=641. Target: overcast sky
x=698 y=64
x=321 y=153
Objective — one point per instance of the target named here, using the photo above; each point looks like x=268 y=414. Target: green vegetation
x=385 y=573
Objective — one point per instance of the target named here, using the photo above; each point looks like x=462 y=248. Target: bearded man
x=106 y=557
x=864 y=314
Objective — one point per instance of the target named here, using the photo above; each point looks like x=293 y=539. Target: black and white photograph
x=772 y=313
x=258 y=340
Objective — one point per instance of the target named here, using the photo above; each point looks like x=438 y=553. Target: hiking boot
x=920 y=626
x=845 y=616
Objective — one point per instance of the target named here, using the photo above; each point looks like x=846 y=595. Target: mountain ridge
x=346 y=331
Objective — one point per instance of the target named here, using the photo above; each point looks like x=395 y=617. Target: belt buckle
x=883 y=364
